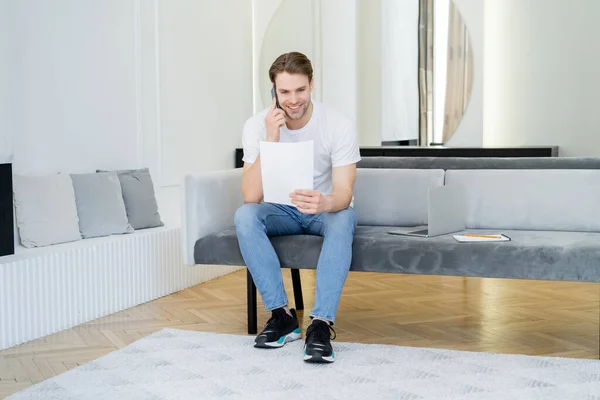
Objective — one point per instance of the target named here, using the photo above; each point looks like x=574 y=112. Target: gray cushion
x=45 y=210
x=139 y=198
x=569 y=256
x=394 y=196
x=561 y=200
x=100 y=204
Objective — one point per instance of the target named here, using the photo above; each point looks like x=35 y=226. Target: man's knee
x=246 y=216
x=348 y=216
x=343 y=221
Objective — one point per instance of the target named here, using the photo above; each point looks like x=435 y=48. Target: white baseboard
x=47 y=290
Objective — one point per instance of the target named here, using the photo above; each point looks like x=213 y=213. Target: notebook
x=479 y=237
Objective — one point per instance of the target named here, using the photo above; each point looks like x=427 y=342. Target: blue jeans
x=254 y=223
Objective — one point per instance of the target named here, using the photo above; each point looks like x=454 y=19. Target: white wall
x=399 y=70
x=469 y=132
x=6 y=80
x=339 y=56
x=369 y=72
x=205 y=88
x=126 y=84
x=74 y=89
x=541 y=75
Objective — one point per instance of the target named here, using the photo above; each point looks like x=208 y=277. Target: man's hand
x=311 y=201
x=274 y=120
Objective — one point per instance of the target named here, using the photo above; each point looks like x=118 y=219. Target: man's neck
x=300 y=123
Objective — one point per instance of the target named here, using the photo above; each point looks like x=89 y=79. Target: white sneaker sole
x=290 y=337
x=318 y=357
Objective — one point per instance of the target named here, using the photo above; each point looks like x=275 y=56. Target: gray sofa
x=550 y=207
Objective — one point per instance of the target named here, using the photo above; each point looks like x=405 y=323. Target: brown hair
x=292 y=63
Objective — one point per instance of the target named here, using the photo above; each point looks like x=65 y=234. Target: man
x=325 y=211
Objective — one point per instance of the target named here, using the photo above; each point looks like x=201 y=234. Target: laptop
x=446 y=213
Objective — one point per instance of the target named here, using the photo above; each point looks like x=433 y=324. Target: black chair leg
x=251 y=294
x=297 y=289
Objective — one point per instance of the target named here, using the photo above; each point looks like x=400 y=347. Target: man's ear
x=312 y=84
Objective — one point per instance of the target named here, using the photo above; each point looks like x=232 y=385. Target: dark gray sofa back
x=446 y=163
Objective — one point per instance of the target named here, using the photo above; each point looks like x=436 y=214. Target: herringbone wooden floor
x=495 y=315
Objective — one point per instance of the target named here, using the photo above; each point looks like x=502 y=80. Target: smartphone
x=274 y=94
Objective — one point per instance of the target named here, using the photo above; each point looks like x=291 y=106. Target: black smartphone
x=274 y=94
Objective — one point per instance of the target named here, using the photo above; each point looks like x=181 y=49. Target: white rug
x=177 y=364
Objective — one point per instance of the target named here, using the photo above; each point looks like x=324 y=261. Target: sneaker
x=317 y=347
x=279 y=330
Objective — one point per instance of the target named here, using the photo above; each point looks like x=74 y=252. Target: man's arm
x=343 y=183
x=252 y=189
x=313 y=202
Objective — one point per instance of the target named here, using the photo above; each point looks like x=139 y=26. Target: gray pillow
x=100 y=204
x=45 y=210
x=139 y=198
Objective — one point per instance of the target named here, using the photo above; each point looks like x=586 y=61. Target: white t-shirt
x=334 y=136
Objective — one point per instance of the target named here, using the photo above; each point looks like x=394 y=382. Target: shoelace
x=321 y=331
x=276 y=319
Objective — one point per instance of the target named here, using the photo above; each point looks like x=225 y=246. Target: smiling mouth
x=294 y=108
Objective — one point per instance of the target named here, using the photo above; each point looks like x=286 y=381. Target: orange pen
x=483 y=236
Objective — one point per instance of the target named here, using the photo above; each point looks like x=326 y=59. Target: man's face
x=293 y=91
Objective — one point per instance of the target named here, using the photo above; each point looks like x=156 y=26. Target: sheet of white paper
x=285 y=167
